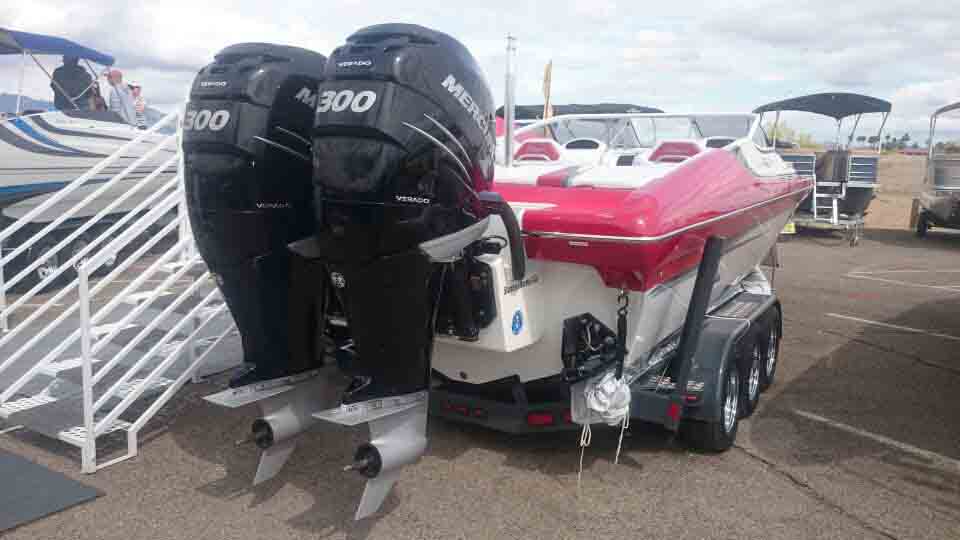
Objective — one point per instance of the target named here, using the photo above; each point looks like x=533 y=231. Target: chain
x=623 y=301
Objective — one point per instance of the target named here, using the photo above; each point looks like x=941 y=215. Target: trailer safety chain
x=623 y=300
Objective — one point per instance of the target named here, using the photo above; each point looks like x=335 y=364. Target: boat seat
x=538 y=150
x=674 y=151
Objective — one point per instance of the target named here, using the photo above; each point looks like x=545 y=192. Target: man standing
x=121 y=99
x=71 y=85
x=139 y=104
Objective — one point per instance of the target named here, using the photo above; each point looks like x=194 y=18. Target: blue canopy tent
x=27 y=44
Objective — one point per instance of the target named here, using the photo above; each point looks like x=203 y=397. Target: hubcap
x=772 y=349
x=731 y=401
x=79 y=246
x=753 y=385
x=48 y=267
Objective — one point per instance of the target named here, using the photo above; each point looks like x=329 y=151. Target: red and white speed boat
x=606 y=269
x=629 y=213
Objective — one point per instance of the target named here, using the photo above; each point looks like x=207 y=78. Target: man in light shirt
x=121 y=99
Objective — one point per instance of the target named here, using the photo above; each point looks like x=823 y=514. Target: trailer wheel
x=768 y=369
x=751 y=368
x=111 y=262
x=922 y=225
x=48 y=267
x=718 y=435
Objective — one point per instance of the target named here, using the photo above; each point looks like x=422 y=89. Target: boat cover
x=836 y=105
x=14 y=42
x=535 y=112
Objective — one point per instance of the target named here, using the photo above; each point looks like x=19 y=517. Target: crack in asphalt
x=814 y=494
x=887 y=349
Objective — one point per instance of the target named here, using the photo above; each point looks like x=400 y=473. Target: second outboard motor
x=246 y=147
x=402 y=146
x=403 y=152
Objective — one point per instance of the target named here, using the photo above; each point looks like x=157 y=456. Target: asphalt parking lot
x=859 y=438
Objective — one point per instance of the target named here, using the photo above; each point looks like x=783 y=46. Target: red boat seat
x=674 y=151
x=538 y=150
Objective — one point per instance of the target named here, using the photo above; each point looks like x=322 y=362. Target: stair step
x=63 y=418
x=23 y=404
x=138 y=298
x=53 y=369
x=77 y=435
x=104 y=329
x=197 y=269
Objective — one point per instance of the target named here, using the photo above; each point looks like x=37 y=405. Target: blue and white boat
x=41 y=151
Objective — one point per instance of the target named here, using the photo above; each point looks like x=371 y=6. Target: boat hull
x=40 y=154
x=581 y=267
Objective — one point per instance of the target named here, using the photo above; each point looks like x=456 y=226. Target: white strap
x=585 y=437
x=623 y=429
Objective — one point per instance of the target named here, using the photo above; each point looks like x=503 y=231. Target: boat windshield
x=631 y=131
x=612 y=131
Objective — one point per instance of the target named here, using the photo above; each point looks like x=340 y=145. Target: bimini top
x=948 y=108
x=837 y=105
x=13 y=42
x=535 y=112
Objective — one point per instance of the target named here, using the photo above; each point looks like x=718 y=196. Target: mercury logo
x=407 y=198
x=456 y=89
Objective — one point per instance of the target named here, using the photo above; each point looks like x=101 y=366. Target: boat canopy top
x=535 y=112
x=837 y=105
x=948 y=108
x=14 y=42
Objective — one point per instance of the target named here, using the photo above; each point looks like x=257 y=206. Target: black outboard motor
x=402 y=148
x=246 y=140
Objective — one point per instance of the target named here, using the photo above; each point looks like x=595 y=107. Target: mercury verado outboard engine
x=403 y=152
x=246 y=142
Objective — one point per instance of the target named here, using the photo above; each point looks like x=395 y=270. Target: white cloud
x=725 y=55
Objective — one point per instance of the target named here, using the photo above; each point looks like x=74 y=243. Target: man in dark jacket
x=73 y=80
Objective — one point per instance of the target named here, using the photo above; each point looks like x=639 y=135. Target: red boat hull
x=643 y=237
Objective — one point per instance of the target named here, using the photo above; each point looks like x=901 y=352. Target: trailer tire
x=37 y=251
x=771 y=356
x=751 y=367
x=718 y=435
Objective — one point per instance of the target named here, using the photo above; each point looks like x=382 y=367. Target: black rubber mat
x=30 y=491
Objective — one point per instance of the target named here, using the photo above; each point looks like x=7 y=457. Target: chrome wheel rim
x=753 y=384
x=48 y=267
x=731 y=401
x=772 y=350
x=78 y=246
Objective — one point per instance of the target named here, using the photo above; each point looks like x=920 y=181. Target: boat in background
x=939 y=204
x=844 y=181
x=41 y=152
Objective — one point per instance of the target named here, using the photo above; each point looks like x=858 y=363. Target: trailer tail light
x=479 y=413
x=567 y=417
x=673 y=412
x=462 y=410
x=540 y=419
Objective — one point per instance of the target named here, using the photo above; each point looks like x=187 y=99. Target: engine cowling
x=402 y=145
x=246 y=141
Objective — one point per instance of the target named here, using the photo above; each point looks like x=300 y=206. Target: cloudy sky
x=680 y=56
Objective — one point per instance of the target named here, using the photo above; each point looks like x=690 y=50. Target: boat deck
x=857 y=439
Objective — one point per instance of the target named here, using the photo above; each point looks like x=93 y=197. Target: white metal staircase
x=138 y=317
